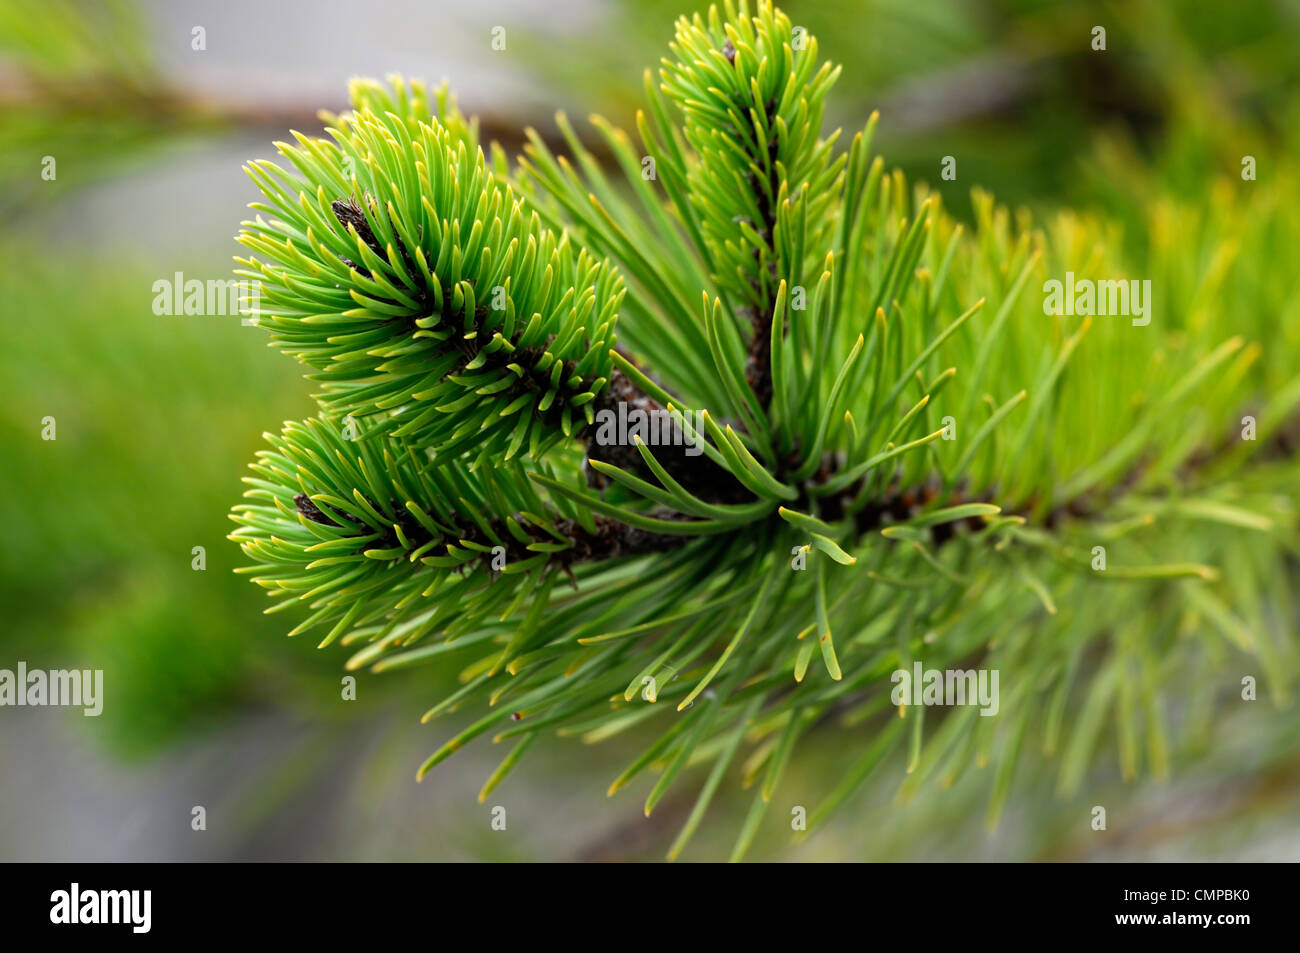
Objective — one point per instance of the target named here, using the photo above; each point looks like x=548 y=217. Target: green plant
x=880 y=449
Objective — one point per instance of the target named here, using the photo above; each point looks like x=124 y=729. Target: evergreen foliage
x=878 y=395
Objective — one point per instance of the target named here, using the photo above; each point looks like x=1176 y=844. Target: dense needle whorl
x=423 y=292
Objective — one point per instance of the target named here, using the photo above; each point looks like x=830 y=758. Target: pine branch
x=406 y=315
x=900 y=456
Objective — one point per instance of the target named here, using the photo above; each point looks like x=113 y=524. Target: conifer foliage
x=873 y=448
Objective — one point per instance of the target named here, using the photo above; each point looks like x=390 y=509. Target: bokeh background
x=207 y=703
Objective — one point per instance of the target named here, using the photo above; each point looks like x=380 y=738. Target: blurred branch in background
x=80 y=81
x=1012 y=88
x=950 y=78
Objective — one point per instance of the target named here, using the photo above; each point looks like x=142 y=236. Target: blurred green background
x=157 y=416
